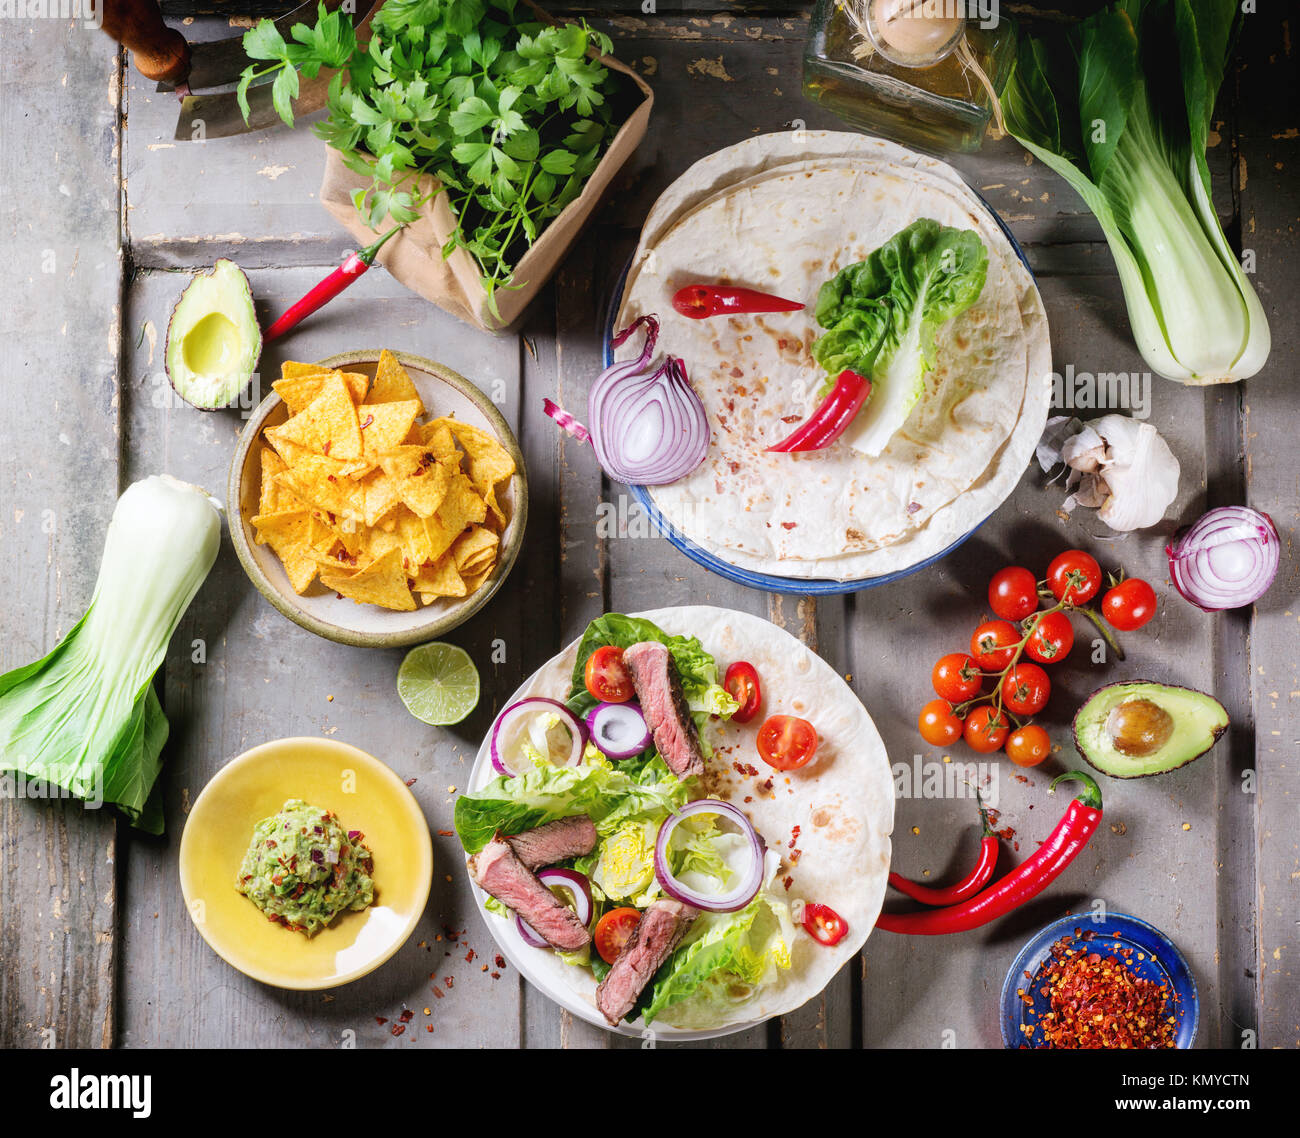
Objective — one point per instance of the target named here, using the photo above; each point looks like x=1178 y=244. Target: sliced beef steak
x=546 y=845
x=659 y=689
x=499 y=872
x=661 y=928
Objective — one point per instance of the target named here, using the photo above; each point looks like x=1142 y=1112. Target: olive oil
x=939 y=106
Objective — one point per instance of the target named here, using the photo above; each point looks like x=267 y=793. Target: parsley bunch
x=510 y=115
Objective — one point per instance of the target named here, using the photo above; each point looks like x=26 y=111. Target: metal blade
x=218 y=116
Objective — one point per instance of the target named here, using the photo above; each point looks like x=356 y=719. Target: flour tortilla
x=843 y=804
x=785 y=223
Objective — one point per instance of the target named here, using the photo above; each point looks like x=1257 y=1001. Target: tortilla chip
x=381 y=496
x=417 y=547
x=474 y=583
x=475 y=549
x=385 y=426
x=421 y=480
x=438 y=579
x=298 y=391
x=271 y=491
x=381 y=583
x=489 y=461
x=317 y=481
x=327 y=425
x=392 y=384
x=287 y=534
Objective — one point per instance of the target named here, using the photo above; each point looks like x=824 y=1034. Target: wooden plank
x=58 y=485
x=1270 y=200
x=265 y=678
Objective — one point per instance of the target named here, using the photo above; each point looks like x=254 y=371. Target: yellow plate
x=367 y=796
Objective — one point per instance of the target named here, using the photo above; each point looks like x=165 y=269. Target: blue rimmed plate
x=1153 y=957
x=771 y=582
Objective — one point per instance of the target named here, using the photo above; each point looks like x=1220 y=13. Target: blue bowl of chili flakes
x=1128 y=972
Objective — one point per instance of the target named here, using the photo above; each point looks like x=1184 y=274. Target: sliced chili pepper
x=824 y=924
x=352 y=268
x=1027 y=880
x=969 y=885
x=700 y=301
x=832 y=417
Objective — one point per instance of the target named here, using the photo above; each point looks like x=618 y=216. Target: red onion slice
x=751 y=881
x=521 y=718
x=567 y=423
x=618 y=729
x=1227 y=559
x=569 y=881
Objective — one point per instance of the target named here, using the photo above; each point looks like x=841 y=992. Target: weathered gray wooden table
x=102 y=209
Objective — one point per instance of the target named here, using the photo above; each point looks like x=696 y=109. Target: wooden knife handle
x=160 y=53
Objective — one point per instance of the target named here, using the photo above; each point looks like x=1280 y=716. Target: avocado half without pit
x=1138 y=728
x=213 y=338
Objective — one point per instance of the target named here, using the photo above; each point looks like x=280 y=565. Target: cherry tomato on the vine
x=1025 y=689
x=1013 y=593
x=1129 y=605
x=986 y=729
x=1076 y=573
x=938 y=725
x=993 y=644
x=1028 y=746
x=956 y=677
x=1052 y=638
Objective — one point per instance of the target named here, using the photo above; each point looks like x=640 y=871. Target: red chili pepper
x=832 y=417
x=1027 y=880
x=969 y=885
x=700 y=301
x=356 y=264
x=824 y=924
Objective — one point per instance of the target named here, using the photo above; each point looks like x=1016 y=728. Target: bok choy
x=1121 y=110
x=86 y=718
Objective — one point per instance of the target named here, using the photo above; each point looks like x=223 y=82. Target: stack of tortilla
x=783 y=213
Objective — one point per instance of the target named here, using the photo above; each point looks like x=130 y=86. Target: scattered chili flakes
x=1099 y=1002
x=446 y=833
x=469 y=956
x=437 y=993
x=399 y=1028
x=381 y=1020
x=499 y=960
x=406 y=1015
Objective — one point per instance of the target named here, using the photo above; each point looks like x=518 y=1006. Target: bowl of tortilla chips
x=377 y=498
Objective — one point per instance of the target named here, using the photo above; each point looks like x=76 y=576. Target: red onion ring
x=514 y=720
x=736 y=898
x=619 y=730
x=572 y=882
x=1227 y=559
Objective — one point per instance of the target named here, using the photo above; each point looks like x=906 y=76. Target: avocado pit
x=1139 y=727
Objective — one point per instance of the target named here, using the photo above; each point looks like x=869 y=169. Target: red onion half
x=520 y=720
x=751 y=880
x=573 y=883
x=1225 y=560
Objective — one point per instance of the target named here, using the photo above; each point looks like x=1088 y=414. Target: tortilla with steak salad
x=687 y=891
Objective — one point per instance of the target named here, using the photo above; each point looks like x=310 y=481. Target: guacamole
x=302 y=869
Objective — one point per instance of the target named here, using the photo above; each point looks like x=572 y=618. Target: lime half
x=438 y=683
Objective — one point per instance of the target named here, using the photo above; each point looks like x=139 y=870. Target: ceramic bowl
x=443 y=392
x=367 y=796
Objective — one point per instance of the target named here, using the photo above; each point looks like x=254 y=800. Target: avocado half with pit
x=1139 y=728
x=213 y=338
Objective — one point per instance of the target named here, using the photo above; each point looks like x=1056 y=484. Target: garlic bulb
x=1116 y=463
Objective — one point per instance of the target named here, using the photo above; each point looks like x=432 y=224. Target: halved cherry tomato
x=956 y=677
x=993 y=644
x=787 y=742
x=939 y=725
x=986 y=729
x=1076 y=573
x=1028 y=746
x=613 y=931
x=741 y=682
x=1129 y=605
x=1013 y=593
x=607 y=677
x=1025 y=689
x=1052 y=638
x=824 y=924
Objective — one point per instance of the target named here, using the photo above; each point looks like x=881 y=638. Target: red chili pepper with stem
x=832 y=417
x=1080 y=821
x=969 y=885
x=355 y=264
x=700 y=301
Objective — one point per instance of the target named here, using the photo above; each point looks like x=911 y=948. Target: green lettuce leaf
x=881 y=316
